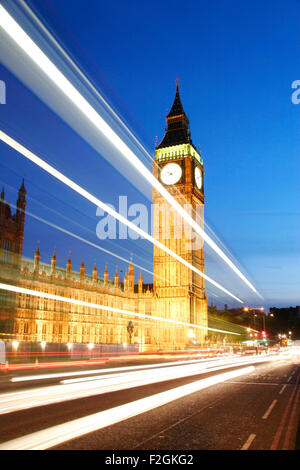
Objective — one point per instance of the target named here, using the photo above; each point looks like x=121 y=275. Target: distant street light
x=130 y=328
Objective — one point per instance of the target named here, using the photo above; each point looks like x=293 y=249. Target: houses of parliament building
x=177 y=292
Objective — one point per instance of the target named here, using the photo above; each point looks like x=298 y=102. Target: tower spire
x=177 y=108
x=53 y=263
x=37 y=258
x=177 y=130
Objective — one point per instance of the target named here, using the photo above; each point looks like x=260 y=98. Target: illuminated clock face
x=171 y=173
x=198 y=178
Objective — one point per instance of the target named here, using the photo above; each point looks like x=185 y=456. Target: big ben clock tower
x=178 y=166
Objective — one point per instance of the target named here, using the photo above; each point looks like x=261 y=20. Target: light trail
x=66 y=391
x=205 y=366
x=13 y=29
x=29 y=378
x=59 y=298
x=83 y=76
x=56 y=435
x=106 y=208
x=25 y=399
x=84 y=240
x=94 y=245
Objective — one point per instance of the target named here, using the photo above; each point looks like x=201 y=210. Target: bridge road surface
x=258 y=410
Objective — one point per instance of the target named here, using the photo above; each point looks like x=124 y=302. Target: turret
x=20 y=217
x=116 y=279
x=69 y=267
x=37 y=259
x=53 y=264
x=140 y=284
x=131 y=276
x=82 y=271
x=95 y=272
x=106 y=277
x=125 y=283
x=21 y=203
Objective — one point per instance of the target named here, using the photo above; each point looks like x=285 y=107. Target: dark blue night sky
x=236 y=62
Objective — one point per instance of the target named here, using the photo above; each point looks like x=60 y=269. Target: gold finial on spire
x=177 y=81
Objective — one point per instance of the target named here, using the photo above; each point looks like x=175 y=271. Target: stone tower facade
x=179 y=167
x=11 y=247
x=12 y=228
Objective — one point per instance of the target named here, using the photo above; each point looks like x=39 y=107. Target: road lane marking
x=56 y=435
x=248 y=442
x=291 y=425
x=267 y=413
x=278 y=434
x=283 y=389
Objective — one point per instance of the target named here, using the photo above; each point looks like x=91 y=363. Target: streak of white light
x=59 y=298
x=15 y=401
x=56 y=435
x=98 y=203
x=94 y=245
x=71 y=234
x=13 y=29
x=28 y=378
x=84 y=78
x=205 y=367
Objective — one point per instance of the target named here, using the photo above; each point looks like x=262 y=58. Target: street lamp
x=130 y=328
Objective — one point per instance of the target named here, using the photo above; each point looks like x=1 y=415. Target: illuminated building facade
x=176 y=294
x=179 y=167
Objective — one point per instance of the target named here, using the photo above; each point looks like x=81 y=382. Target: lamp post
x=130 y=328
